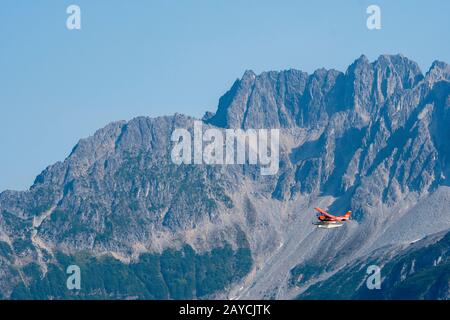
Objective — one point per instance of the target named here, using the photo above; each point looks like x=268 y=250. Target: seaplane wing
x=326 y=214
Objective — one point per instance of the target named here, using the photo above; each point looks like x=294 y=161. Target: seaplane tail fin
x=347 y=215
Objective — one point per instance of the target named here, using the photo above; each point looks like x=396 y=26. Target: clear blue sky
x=142 y=57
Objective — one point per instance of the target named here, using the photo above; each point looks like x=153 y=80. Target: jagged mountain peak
x=292 y=98
x=438 y=71
x=359 y=63
x=249 y=75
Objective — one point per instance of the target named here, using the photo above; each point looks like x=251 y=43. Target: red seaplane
x=326 y=220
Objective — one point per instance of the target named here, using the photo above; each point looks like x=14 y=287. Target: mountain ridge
x=373 y=138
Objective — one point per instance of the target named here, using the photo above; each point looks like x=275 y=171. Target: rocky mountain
x=374 y=139
x=418 y=270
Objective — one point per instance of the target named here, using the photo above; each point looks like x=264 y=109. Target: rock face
x=375 y=139
x=419 y=270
